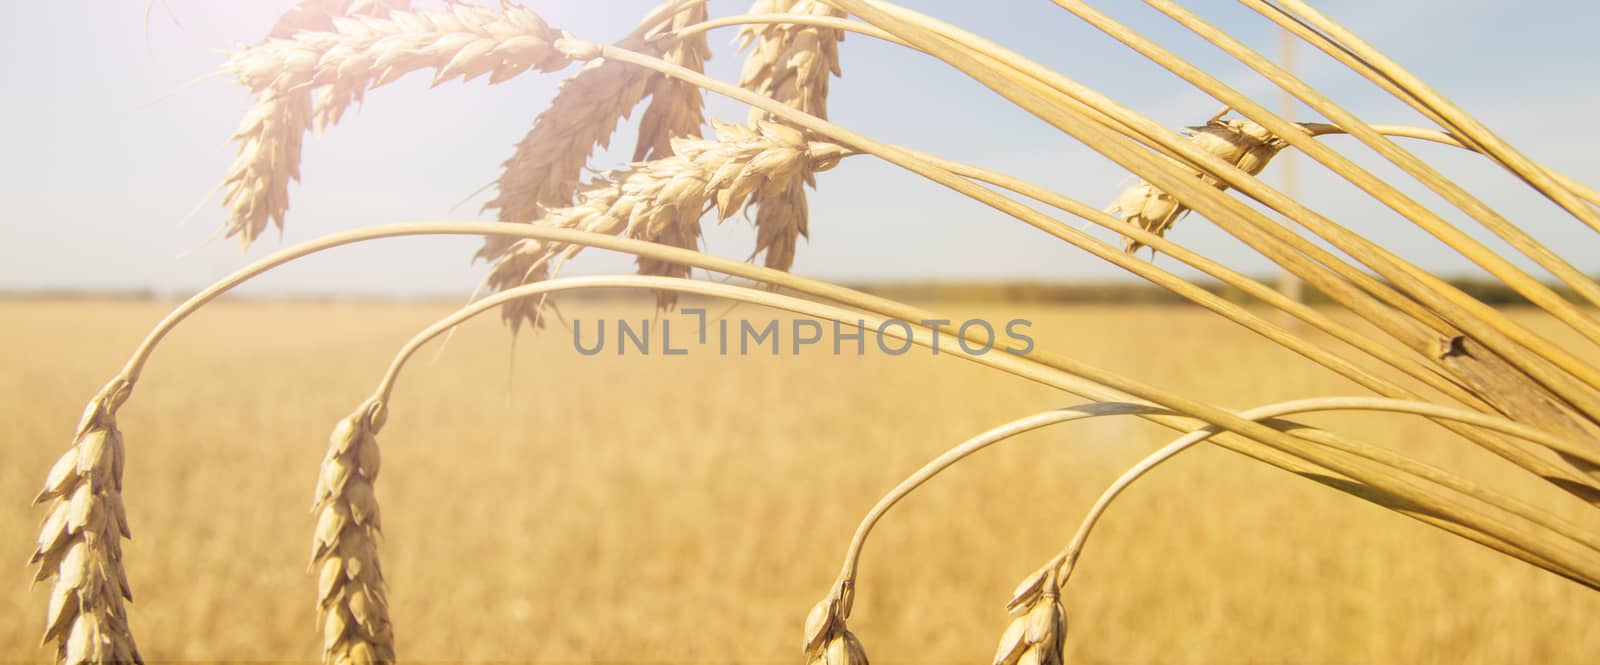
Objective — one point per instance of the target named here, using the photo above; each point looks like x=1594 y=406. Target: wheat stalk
x=1113 y=385
x=1512 y=360
x=1051 y=370
x=662 y=200
x=356 y=54
x=352 y=606
x=80 y=543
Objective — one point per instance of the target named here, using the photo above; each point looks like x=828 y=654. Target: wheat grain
x=827 y=640
x=353 y=55
x=80 y=543
x=1240 y=142
x=662 y=200
x=352 y=606
x=1038 y=629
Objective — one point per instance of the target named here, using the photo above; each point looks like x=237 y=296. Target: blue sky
x=108 y=152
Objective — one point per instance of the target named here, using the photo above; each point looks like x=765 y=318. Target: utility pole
x=1288 y=283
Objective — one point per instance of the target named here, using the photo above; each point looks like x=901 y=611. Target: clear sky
x=106 y=151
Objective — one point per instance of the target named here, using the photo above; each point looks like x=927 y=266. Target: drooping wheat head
x=676 y=109
x=1038 y=630
x=80 y=543
x=544 y=172
x=1240 y=142
x=352 y=605
x=827 y=640
x=791 y=64
x=340 y=63
x=664 y=199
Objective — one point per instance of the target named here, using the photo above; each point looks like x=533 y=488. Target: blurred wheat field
x=545 y=506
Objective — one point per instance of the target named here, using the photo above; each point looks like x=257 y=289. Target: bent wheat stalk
x=1291 y=453
x=1423 y=97
x=827 y=639
x=1063 y=564
x=927 y=472
x=1037 y=593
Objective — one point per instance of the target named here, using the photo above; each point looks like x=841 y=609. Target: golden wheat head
x=352 y=606
x=80 y=543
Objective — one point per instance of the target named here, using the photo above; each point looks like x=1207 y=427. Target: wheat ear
x=80 y=543
x=543 y=172
x=352 y=606
x=353 y=55
x=791 y=64
x=1240 y=142
x=1038 y=630
x=828 y=641
x=662 y=200
x=676 y=108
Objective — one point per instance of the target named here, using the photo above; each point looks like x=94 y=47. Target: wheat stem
x=1519 y=280
x=1033 y=422
x=1453 y=116
x=1045 y=368
x=1511 y=341
x=1583 y=191
x=1482 y=321
x=1063 y=563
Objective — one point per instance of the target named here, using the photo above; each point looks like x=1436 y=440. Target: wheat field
x=545 y=506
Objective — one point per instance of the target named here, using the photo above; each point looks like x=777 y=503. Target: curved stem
x=1510 y=340
x=1064 y=561
x=1487 y=326
x=1258 y=441
x=966 y=449
x=1583 y=191
x=1265 y=444
x=1453 y=116
x=1044 y=419
x=1450 y=190
x=1426 y=373
x=135 y=364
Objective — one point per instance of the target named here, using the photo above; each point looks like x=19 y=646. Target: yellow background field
x=545 y=506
